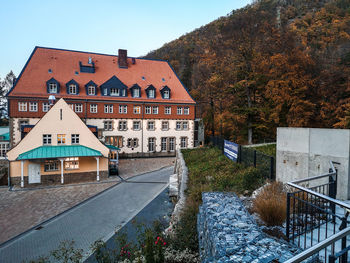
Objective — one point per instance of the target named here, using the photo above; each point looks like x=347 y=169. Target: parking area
x=23 y=209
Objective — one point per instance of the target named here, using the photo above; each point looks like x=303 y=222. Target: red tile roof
x=64 y=64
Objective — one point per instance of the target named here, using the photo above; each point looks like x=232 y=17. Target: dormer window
x=52 y=86
x=114 y=87
x=165 y=91
x=135 y=91
x=90 y=88
x=72 y=87
x=151 y=92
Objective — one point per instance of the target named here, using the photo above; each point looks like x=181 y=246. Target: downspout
x=143 y=110
x=85 y=110
x=8 y=174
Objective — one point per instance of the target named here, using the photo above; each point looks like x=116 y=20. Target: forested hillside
x=273 y=63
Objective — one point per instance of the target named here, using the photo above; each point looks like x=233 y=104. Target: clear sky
x=101 y=26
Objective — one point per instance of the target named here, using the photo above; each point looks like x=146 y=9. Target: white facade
x=143 y=134
x=185 y=134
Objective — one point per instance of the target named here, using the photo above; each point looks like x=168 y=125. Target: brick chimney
x=123 y=58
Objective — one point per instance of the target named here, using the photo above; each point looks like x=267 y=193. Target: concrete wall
x=306 y=152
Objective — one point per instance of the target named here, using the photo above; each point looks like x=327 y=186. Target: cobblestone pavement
x=97 y=218
x=21 y=210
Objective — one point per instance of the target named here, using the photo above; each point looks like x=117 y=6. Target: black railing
x=315 y=218
x=250 y=157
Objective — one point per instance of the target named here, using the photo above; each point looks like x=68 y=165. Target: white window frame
x=53 y=88
x=61 y=139
x=78 y=107
x=122 y=126
x=185 y=125
x=172 y=144
x=75 y=139
x=148 y=110
x=152 y=144
x=167 y=110
x=163 y=125
x=108 y=125
x=149 y=124
x=108 y=108
x=186 y=110
x=178 y=126
x=91 y=90
x=136 y=125
x=4 y=147
x=33 y=106
x=155 y=109
x=22 y=106
x=183 y=142
x=93 y=108
x=46 y=106
x=51 y=165
x=71 y=163
x=151 y=93
x=73 y=89
x=137 y=109
x=163 y=144
x=114 y=92
x=123 y=109
x=179 y=110
x=47 y=139
x=136 y=93
x=166 y=94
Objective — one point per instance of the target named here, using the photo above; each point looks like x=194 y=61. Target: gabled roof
x=65 y=63
x=114 y=82
x=60 y=119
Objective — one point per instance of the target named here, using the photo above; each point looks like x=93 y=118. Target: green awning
x=5 y=136
x=112 y=147
x=44 y=152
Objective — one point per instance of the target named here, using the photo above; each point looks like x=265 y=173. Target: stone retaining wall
x=181 y=171
x=228 y=233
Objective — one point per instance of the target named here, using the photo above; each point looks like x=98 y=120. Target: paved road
x=98 y=218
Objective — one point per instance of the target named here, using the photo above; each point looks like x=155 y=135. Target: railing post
x=239 y=153
x=344 y=257
x=331 y=259
x=288 y=216
x=332 y=193
x=255 y=158
x=271 y=167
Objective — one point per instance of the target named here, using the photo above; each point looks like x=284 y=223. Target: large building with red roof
x=136 y=104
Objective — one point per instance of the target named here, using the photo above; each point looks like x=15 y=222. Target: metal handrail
x=330 y=199
x=317 y=248
x=318 y=176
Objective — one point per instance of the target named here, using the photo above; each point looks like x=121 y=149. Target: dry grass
x=271 y=204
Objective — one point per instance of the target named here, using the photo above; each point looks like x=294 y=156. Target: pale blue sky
x=99 y=26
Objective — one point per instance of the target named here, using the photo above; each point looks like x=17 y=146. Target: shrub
x=186 y=229
x=271 y=204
